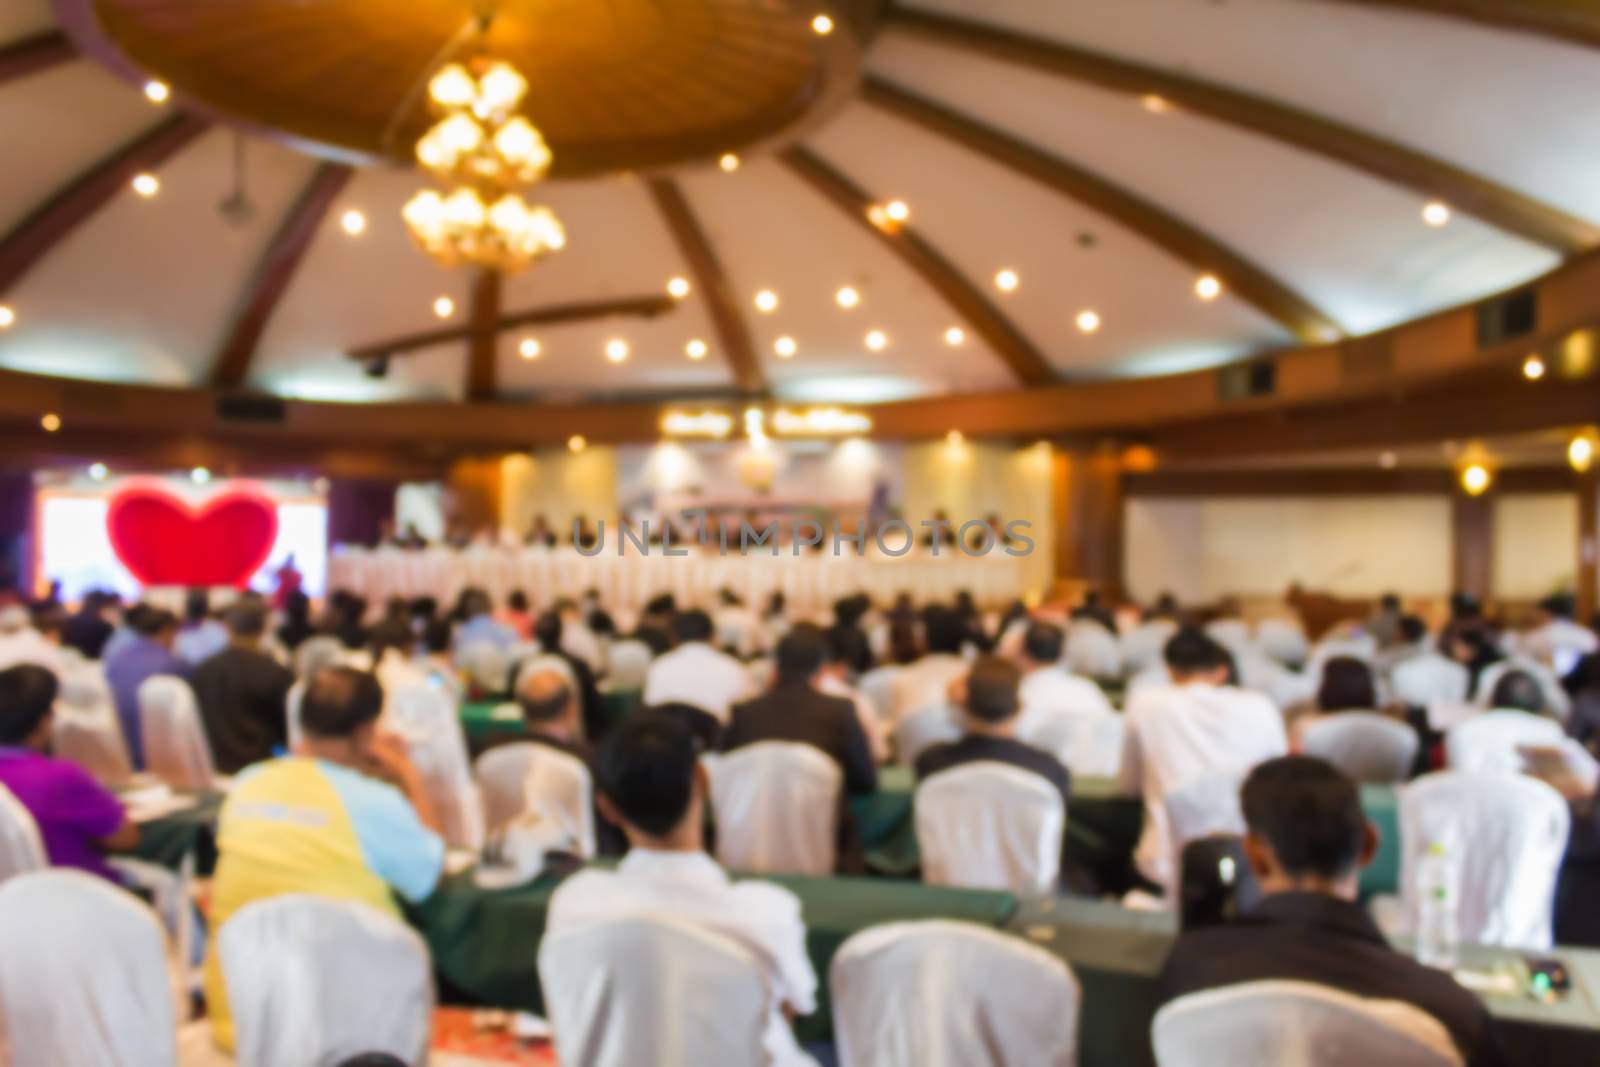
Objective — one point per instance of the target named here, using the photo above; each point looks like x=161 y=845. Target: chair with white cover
x=1231 y=633
x=1092 y=650
x=1284 y=640
x=948 y=994
x=1428 y=679
x=175 y=745
x=317 y=652
x=1490 y=741
x=1505 y=835
x=655 y=991
x=487 y=666
x=1366 y=746
x=627 y=665
x=85 y=979
x=425 y=718
x=21 y=849
x=1556 y=700
x=921 y=730
x=86 y=730
x=1201 y=807
x=777 y=808
x=1142 y=646
x=1089 y=744
x=877 y=685
x=1297 y=1024
x=525 y=778
x=313 y=980
x=545 y=661
x=989 y=825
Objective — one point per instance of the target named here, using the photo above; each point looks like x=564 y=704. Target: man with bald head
x=552 y=714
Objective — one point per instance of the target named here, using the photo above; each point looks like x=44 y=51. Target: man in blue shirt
x=148 y=654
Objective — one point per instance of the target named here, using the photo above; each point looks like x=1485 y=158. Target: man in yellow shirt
x=345 y=816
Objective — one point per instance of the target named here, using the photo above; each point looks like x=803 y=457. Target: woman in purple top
x=79 y=820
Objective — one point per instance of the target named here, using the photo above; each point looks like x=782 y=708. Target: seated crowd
x=684 y=743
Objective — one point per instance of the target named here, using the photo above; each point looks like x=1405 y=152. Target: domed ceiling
x=1170 y=184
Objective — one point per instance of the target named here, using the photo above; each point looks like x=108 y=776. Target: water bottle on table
x=1437 y=890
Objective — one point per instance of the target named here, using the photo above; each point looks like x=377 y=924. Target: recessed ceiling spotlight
x=877 y=340
x=729 y=162
x=51 y=422
x=1436 y=213
x=1476 y=479
x=955 y=336
x=822 y=25
x=616 y=350
x=577 y=443
x=847 y=297
x=678 y=288
x=7 y=316
x=1155 y=103
x=784 y=346
x=1088 y=321
x=1388 y=461
x=146 y=185
x=1007 y=280
x=157 y=92
x=200 y=476
x=530 y=348
x=696 y=349
x=353 y=222
x=1580 y=452
x=98 y=471
x=1533 y=368
x=767 y=301
x=954 y=439
x=444 y=307
x=1207 y=287
x=897 y=210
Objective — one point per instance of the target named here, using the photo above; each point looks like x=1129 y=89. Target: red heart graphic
x=162 y=540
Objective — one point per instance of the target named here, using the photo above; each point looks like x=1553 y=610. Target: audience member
x=1307 y=840
x=149 y=654
x=243 y=693
x=296 y=621
x=926 y=683
x=345 y=816
x=1347 y=685
x=694 y=672
x=552 y=715
x=78 y=820
x=478 y=626
x=518 y=614
x=436 y=663
x=88 y=629
x=1048 y=689
x=840 y=671
x=22 y=642
x=1558 y=640
x=200 y=636
x=549 y=630
x=652 y=785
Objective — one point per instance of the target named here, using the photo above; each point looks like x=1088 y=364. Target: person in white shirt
x=695 y=673
x=1558 y=641
x=926 y=683
x=652 y=784
x=1194 y=728
x=1048 y=688
x=21 y=643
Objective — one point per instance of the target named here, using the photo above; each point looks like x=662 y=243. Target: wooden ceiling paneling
x=38 y=52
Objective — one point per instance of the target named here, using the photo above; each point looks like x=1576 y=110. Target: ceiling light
x=1436 y=213
x=354 y=222
x=1475 y=479
x=1580 y=453
x=784 y=346
x=822 y=25
x=98 y=471
x=51 y=422
x=157 y=92
x=954 y=336
x=7 y=316
x=678 y=288
x=696 y=349
x=444 y=307
x=767 y=301
x=897 y=210
x=1388 y=460
x=577 y=443
x=1088 y=321
x=616 y=350
x=877 y=340
x=729 y=162
x=1154 y=103
x=954 y=439
x=1007 y=280
x=530 y=348
x=847 y=298
x=1207 y=287
x=146 y=185
x=1533 y=368
x=200 y=476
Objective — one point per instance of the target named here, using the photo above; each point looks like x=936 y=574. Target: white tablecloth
x=810 y=582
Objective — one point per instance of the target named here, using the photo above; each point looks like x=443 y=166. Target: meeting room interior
x=799 y=533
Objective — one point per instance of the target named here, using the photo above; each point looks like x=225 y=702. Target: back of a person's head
x=1518 y=691
x=904 y=647
x=517 y=600
x=645 y=767
x=27 y=693
x=152 y=621
x=992 y=689
x=372 y=1059
x=1389 y=602
x=547 y=631
x=338 y=701
x=196 y=604
x=664 y=604
x=1465 y=606
x=801 y=652
x=943 y=631
x=247 y=619
x=1347 y=684
x=475 y=602
x=691 y=625
x=1559 y=605
x=1191 y=651
x=1043 y=642
x=849 y=646
x=1413 y=630
x=728 y=598
x=438 y=636
x=297 y=606
x=390 y=634
x=1308 y=812
x=544 y=695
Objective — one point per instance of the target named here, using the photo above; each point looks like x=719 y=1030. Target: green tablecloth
x=485 y=943
x=168 y=839
x=483 y=723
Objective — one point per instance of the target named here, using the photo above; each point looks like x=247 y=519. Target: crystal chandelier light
x=483 y=152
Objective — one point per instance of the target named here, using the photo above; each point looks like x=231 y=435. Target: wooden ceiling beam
x=39 y=52
x=484 y=341
x=1429 y=177
x=1201 y=251
x=733 y=333
x=1573 y=21
x=30 y=240
x=641 y=307
x=1026 y=362
x=274 y=272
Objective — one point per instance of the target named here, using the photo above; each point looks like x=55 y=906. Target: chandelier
x=482 y=152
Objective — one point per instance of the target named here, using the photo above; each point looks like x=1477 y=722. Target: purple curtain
x=359 y=510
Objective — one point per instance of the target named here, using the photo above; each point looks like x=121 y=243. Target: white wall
x=1535 y=544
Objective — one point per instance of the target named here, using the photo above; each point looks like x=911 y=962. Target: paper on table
x=158 y=808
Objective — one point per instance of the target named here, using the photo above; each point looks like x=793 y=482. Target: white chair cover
x=631 y=992
x=1363 y=647
x=1297 y=1024
x=546 y=661
x=627 y=665
x=921 y=730
x=990 y=825
x=1428 y=679
x=1200 y=808
x=1092 y=650
x=313 y=981
x=1089 y=744
x=1232 y=634
x=315 y=653
x=86 y=729
x=21 y=849
x=1505 y=834
x=424 y=717
x=1556 y=700
x=580 y=642
x=85 y=979
x=529 y=778
x=486 y=665
x=175 y=745
x=777 y=808
x=1282 y=640
x=1489 y=741
x=1142 y=646
x=1363 y=744
x=951 y=994
x=877 y=685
